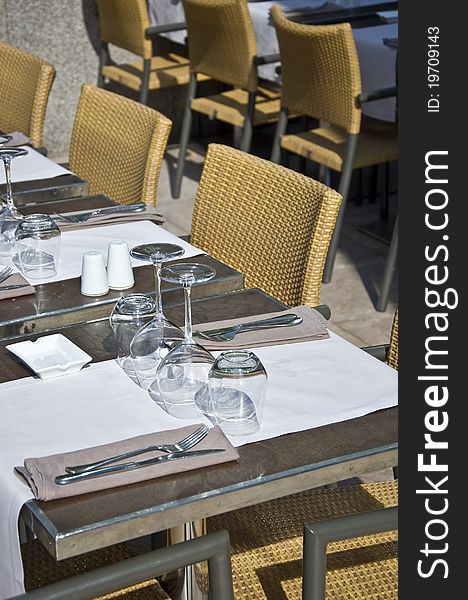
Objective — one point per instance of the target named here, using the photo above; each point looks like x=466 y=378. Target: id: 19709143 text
x=433 y=73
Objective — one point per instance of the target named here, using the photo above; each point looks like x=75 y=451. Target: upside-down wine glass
x=155 y=339
x=185 y=369
x=10 y=216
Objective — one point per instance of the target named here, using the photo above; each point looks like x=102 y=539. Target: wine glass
x=10 y=216
x=184 y=371
x=155 y=339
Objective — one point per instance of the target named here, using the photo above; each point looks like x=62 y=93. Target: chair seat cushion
x=327 y=145
x=231 y=106
x=266 y=545
x=166 y=71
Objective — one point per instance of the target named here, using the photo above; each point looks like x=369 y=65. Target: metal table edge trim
x=43 y=519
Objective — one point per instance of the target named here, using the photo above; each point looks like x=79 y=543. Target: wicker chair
x=267 y=540
x=126 y=24
x=25 y=82
x=117 y=145
x=112 y=573
x=222 y=45
x=272 y=224
x=321 y=79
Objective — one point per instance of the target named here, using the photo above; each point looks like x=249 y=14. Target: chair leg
x=185 y=135
x=373 y=184
x=103 y=61
x=145 y=81
x=324 y=175
x=279 y=132
x=248 y=123
x=383 y=188
x=388 y=273
x=345 y=180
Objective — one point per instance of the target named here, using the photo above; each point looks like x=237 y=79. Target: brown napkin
x=41 y=472
x=150 y=214
x=17 y=139
x=313 y=327
x=15 y=279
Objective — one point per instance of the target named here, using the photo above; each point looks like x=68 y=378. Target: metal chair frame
x=213 y=547
x=318 y=535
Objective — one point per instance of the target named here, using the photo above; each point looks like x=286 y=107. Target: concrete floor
x=358 y=269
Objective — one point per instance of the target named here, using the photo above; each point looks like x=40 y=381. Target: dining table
x=372 y=22
x=36 y=179
x=290 y=455
x=330 y=411
x=60 y=303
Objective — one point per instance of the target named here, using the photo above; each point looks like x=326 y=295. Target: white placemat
x=74 y=244
x=310 y=384
x=32 y=166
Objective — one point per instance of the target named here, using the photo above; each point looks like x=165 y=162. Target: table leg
x=190 y=583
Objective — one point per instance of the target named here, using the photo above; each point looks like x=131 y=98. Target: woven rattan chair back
x=123 y=23
x=222 y=41
x=270 y=223
x=118 y=145
x=25 y=82
x=393 y=348
x=320 y=71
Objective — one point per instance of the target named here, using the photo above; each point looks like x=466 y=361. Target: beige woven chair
x=393 y=347
x=267 y=541
x=272 y=224
x=321 y=79
x=40 y=570
x=117 y=145
x=126 y=24
x=25 y=82
x=222 y=45
x=112 y=573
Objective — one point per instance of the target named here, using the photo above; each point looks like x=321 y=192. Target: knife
x=125 y=208
x=131 y=466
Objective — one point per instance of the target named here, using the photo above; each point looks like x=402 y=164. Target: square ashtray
x=51 y=356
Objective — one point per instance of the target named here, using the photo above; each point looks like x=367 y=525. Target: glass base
x=178 y=395
x=235 y=412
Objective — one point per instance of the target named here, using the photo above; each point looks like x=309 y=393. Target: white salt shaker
x=93 y=274
x=119 y=266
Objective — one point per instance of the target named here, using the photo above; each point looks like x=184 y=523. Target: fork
x=184 y=444
x=102 y=211
x=5 y=273
x=226 y=334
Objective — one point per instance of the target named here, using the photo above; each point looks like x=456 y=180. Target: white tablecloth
x=74 y=244
x=31 y=167
x=310 y=384
x=378 y=61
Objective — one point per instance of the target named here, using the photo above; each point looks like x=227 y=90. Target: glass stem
x=157 y=281
x=9 y=193
x=188 y=313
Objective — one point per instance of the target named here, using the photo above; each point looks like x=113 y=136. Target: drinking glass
x=155 y=339
x=37 y=243
x=185 y=369
x=10 y=216
x=237 y=385
x=130 y=313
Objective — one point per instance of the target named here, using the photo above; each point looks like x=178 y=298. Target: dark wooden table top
x=358 y=14
x=64 y=187
x=58 y=304
x=265 y=470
